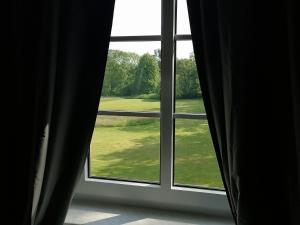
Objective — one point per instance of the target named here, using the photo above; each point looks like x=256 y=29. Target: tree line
x=128 y=74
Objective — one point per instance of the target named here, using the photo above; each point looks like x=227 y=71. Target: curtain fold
x=57 y=51
x=247 y=56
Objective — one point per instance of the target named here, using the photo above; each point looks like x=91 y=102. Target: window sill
x=191 y=200
x=88 y=212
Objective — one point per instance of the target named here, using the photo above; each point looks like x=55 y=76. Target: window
x=126 y=140
x=151 y=142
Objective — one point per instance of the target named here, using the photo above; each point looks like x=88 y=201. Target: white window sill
x=88 y=213
x=204 y=201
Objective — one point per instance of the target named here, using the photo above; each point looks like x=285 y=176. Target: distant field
x=182 y=105
x=129 y=147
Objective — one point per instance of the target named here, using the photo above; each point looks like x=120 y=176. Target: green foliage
x=128 y=74
x=155 y=96
x=119 y=69
x=147 y=77
x=157 y=54
x=187 y=81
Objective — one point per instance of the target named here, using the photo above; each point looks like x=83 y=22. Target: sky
x=143 y=17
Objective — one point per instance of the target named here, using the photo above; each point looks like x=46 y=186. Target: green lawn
x=129 y=147
x=182 y=105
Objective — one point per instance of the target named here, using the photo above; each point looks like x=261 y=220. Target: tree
x=187 y=81
x=118 y=74
x=157 y=54
x=147 y=75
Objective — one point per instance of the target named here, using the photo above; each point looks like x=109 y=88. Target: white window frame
x=163 y=195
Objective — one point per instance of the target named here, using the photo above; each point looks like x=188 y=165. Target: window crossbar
x=183 y=37
x=157 y=114
x=128 y=113
x=135 y=38
x=201 y=116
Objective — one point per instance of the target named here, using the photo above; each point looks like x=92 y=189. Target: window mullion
x=167 y=90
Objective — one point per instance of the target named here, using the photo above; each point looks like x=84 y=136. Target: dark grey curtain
x=247 y=55
x=56 y=52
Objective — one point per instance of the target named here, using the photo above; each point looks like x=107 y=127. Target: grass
x=141 y=104
x=129 y=147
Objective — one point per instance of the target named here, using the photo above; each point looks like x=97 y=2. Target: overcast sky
x=143 y=17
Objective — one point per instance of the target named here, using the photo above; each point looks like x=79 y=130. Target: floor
x=124 y=215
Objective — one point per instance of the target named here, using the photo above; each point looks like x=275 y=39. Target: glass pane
x=195 y=158
x=137 y=17
x=183 y=21
x=132 y=77
x=188 y=93
x=126 y=148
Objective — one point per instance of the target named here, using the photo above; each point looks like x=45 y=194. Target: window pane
x=195 y=158
x=137 y=17
x=183 y=22
x=132 y=77
x=126 y=148
x=188 y=93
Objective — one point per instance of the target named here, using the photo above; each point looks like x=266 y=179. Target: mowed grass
x=129 y=147
x=139 y=104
